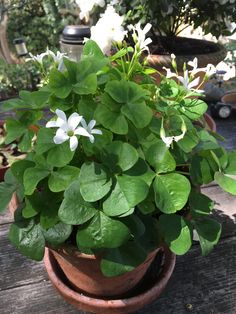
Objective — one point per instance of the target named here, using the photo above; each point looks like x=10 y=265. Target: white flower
x=169 y=74
x=168 y=140
x=210 y=70
x=108 y=29
x=90 y=129
x=86 y=6
x=37 y=58
x=67 y=129
x=139 y=36
x=187 y=83
x=58 y=57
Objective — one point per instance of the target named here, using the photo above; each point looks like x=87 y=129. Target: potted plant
x=115 y=176
x=170 y=17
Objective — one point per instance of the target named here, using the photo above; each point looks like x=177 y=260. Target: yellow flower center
x=70 y=133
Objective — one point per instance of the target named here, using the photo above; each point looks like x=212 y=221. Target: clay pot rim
x=64 y=290
x=75 y=252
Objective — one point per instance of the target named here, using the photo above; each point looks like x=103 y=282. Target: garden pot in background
x=152 y=286
x=230 y=99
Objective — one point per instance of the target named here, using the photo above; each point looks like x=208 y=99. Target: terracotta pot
x=210 y=122
x=84 y=274
x=14 y=203
x=149 y=291
x=211 y=53
x=230 y=98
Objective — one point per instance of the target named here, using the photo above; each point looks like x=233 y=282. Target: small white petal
x=51 y=124
x=61 y=114
x=92 y=124
x=91 y=138
x=73 y=143
x=84 y=124
x=74 y=120
x=96 y=131
x=81 y=131
x=147 y=28
x=60 y=137
x=194 y=83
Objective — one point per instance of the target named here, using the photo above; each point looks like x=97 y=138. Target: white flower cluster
x=69 y=129
x=188 y=80
x=57 y=58
x=108 y=29
x=86 y=6
x=139 y=36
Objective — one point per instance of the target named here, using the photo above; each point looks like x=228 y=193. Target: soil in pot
x=149 y=289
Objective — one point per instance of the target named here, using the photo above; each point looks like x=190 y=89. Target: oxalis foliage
x=133 y=188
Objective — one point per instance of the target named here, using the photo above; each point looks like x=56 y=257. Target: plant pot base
x=146 y=292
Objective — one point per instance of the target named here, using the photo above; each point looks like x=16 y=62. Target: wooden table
x=199 y=285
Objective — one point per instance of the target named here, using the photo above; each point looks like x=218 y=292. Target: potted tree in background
x=170 y=17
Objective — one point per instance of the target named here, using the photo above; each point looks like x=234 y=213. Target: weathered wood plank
x=6 y=217
x=16 y=270
x=208 y=284
x=225 y=209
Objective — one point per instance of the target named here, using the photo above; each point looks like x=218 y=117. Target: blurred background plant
x=14 y=77
x=170 y=17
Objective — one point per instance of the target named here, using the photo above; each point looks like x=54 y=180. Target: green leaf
x=6 y=192
x=59 y=180
x=95 y=182
x=160 y=158
x=123 y=259
x=226 y=182
x=18 y=168
x=102 y=232
x=142 y=171
x=26 y=141
x=193 y=108
x=36 y=100
x=171 y=192
x=200 y=203
x=125 y=92
x=200 y=170
x=72 y=68
x=138 y=113
x=60 y=155
x=189 y=141
x=14 y=129
x=127 y=193
x=44 y=140
x=177 y=233
x=59 y=84
x=58 y=234
x=119 y=156
x=28 y=240
x=74 y=210
x=209 y=231
x=86 y=86
x=100 y=142
x=112 y=120
x=49 y=215
x=91 y=48
x=28 y=211
x=231 y=167
x=32 y=176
